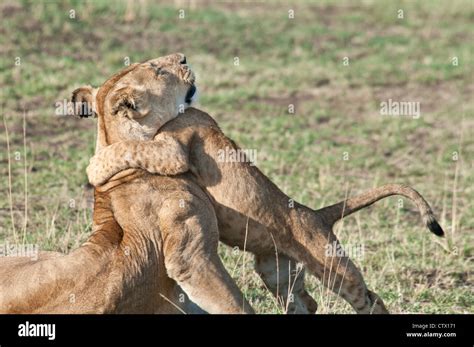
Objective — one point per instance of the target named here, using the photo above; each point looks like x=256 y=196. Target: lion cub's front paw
x=95 y=173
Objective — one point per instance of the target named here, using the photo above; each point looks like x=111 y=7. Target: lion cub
x=248 y=204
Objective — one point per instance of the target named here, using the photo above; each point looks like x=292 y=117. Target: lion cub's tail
x=344 y=208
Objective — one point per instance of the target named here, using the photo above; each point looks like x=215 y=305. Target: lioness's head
x=138 y=100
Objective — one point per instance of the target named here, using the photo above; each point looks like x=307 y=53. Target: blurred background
x=301 y=83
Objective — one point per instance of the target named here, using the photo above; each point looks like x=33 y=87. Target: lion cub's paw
x=96 y=173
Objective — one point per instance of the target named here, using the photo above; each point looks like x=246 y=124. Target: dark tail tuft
x=435 y=228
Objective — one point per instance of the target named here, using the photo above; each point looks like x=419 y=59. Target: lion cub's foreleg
x=164 y=155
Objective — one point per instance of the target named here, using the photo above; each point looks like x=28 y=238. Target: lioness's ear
x=83 y=100
x=130 y=102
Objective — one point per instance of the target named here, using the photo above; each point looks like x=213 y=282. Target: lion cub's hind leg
x=343 y=277
x=190 y=238
x=285 y=279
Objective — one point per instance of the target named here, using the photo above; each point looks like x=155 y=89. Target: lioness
x=252 y=212
x=119 y=269
x=140 y=248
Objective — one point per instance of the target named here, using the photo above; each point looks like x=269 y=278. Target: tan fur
x=108 y=274
x=167 y=157
x=243 y=196
x=137 y=260
x=152 y=235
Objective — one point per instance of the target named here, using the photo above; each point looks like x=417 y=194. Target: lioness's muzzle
x=190 y=94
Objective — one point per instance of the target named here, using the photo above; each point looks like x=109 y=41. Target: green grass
x=282 y=62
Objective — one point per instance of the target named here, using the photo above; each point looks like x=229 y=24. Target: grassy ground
x=282 y=61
